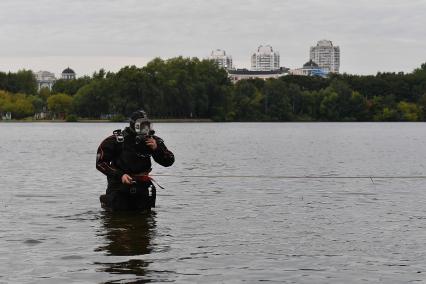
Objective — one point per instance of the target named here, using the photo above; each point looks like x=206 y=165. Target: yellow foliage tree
x=60 y=104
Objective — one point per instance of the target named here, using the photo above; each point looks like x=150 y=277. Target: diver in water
x=125 y=158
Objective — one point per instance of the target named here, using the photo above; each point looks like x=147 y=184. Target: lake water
x=228 y=214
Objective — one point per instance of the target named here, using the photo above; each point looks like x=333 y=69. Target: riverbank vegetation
x=189 y=88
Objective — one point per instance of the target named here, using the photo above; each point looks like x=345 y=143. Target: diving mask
x=142 y=127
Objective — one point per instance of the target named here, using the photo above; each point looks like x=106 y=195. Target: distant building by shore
x=68 y=74
x=222 y=60
x=326 y=56
x=265 y=59
x=244 y=74
x=310 y=68
x=45 y=79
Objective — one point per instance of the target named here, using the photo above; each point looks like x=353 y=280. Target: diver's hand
x=151 y=143
x=126 y=179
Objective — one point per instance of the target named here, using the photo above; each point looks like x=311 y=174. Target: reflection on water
x=127 y=234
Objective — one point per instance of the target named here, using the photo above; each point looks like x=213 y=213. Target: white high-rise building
x=326 y=56
x=265 y=59
x=221 y=59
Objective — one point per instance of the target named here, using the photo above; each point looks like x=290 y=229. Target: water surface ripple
x=218 y=230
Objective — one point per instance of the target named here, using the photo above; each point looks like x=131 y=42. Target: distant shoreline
x=183 y=120
x=166 y=120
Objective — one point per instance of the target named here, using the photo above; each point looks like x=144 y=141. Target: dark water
x=219 y=230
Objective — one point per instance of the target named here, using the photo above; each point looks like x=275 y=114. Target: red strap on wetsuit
x=143 y=178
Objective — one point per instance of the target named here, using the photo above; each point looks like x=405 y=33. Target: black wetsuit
x=119 y=154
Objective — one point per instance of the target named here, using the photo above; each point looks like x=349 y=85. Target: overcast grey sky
x=373 y=35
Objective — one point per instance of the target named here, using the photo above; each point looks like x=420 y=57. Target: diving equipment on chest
x=119 y=136
x=133 y=144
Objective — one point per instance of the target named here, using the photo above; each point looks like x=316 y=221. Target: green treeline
x=193 y=88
